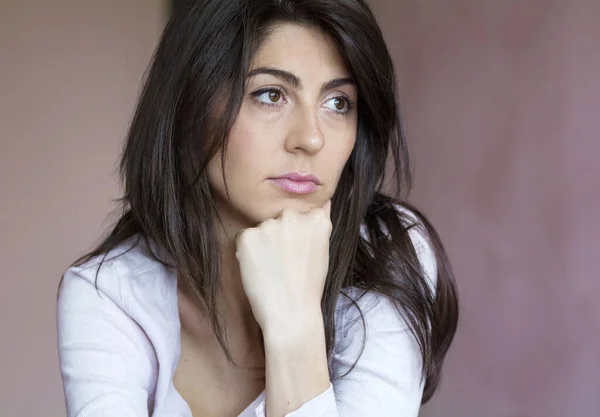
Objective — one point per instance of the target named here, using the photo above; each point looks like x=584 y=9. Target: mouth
x=296 y=183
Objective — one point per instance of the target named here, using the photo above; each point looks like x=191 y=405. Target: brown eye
x=339 y=104
x=270 y=97
x=274 y=96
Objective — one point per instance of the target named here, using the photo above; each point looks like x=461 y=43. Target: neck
x=237 y=314
x=234 y=299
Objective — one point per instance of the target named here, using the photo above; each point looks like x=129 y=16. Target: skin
x=274 y=243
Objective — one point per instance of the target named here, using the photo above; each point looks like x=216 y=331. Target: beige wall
x=502 y=104
x=69 y=75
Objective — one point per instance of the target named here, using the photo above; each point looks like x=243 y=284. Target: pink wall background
x=69 y=76
x=500 y=101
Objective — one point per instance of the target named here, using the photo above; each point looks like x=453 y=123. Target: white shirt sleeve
x=104 y=363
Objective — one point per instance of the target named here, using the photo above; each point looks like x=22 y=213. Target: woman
x=257 y=269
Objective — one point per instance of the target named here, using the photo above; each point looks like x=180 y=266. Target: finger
x=240 y=234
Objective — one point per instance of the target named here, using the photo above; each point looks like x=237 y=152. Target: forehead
x=300 y=49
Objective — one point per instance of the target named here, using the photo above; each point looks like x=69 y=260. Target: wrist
x=294 y=330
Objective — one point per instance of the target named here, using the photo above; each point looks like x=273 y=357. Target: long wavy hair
x=180 y=123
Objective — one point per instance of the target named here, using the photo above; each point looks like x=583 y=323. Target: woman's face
x=298 y=117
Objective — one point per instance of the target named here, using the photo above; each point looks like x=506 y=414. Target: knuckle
x=288 y=215
x=245 y=235
x=287 y=212
x=268 y=223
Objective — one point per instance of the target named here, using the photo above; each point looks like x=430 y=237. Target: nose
x=305 y=136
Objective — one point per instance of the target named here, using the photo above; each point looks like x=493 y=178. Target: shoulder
x=415 y=225
x=113 y=275
x=358 y=310
x=107 y=334
x=421 y=241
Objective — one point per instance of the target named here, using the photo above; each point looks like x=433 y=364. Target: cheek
x=344 y=148
x=246 y=152
x=236 y=161
x=335 y=160
x=350 y=144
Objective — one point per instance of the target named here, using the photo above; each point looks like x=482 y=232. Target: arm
x=296 y=363
x=105 y=368
x=385 y=382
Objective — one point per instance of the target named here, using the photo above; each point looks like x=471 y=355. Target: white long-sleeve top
x=119 y=346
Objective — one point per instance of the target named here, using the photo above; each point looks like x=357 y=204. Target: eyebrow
x=296 y=82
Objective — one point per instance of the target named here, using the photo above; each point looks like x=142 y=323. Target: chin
x=257 y=214
x=301 y=205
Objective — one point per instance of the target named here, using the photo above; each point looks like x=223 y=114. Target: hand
x=283 y=264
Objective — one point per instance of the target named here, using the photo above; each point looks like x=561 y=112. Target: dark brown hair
x=201 y=61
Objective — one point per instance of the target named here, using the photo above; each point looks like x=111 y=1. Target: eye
x=339 y=104
x=269 y=97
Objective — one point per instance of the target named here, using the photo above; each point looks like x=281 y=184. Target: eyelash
x=349 y=103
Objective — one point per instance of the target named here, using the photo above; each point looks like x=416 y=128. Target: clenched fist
x=283 y=264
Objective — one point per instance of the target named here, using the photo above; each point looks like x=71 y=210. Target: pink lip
x=297 y=183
